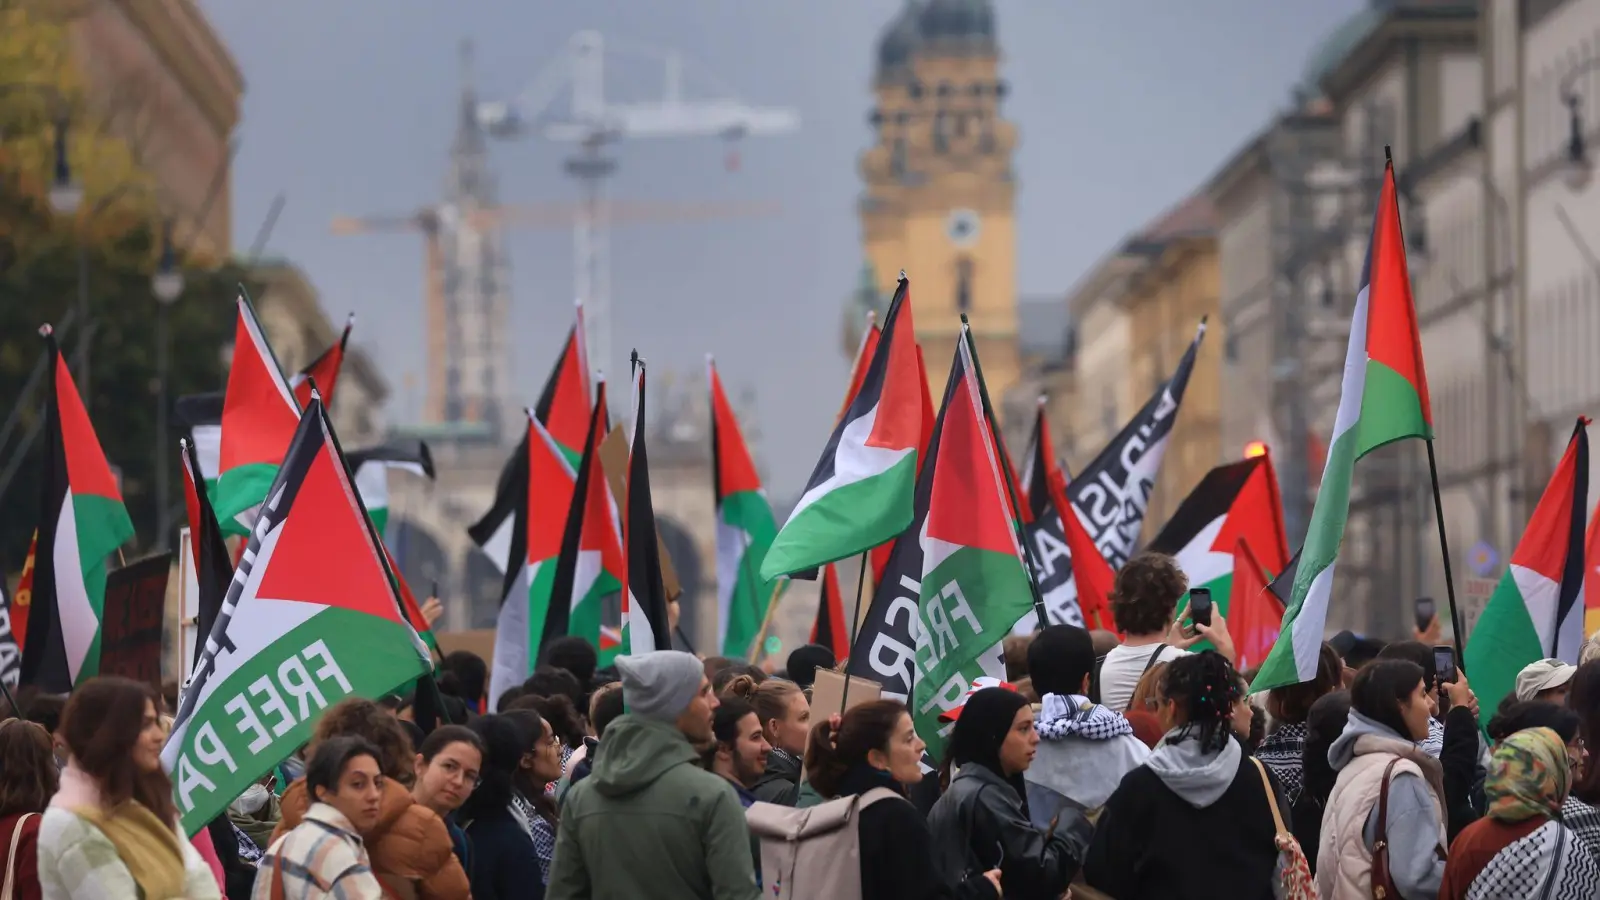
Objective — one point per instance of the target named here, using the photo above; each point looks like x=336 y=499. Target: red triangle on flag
x=564 y=404
x=87 y=470
x=324 y=550
x=1255 y=616
x=736 y=472
x=967 y=505
x=259 y=412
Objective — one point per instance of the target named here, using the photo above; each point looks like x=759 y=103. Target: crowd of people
x=1103 y=766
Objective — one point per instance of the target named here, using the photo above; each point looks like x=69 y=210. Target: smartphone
x=433 y=589
x=1200 y=606
x=1425 y=612
x=1444 y=663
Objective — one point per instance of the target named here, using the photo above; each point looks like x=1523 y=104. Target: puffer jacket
x=410 y=848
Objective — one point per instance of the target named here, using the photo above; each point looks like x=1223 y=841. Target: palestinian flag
x=312 y=617
x=563 y=409
x=1384 y=398
x=324 y=370
x=1232 y=503
x=371 y=468
x=1057 y=540
x=863 y=361
x=831 y=628
x=860 y=494
x=644 y=593
x=745 y=529
x=213 y=568
x=259 y=417
x=589 y=566
x=81 y=522
x=1536 y=612
x=564 y=404
x=409 y=606
x=1256 y=613
x=879 y=556
x=974 y=583
x=536 y=541
x=492 y=533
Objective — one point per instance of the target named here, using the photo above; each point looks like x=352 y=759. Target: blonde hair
x=1590 y=649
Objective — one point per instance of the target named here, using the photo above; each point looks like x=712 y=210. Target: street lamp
x=1578 y=168
x=167 y=286
x=65 y=194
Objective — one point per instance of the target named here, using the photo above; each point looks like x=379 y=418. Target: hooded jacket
x=410 y=847
x=780 y=783
x=1187 y=820
x=1084 y=751
x=1415 y=828
x=649 y=822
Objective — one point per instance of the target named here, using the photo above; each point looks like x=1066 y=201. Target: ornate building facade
x=939 y=193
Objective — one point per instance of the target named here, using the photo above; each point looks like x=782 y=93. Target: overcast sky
x=1123 y=107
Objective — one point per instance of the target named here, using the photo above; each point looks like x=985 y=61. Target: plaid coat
x=322 y=858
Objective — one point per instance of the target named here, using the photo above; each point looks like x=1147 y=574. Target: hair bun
x=741 y=686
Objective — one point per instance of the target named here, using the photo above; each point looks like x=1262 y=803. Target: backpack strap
x=873 y=796
x=1154 y=658
x=1094 y=678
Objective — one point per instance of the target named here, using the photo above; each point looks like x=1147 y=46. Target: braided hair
x=1204 y=688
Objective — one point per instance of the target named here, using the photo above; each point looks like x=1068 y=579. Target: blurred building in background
x=159 y=77
x=1489 y=109
x=938 y=192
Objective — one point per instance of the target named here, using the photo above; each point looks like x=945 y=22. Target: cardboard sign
x=614 y=457
x=132 y=618
x=828 y=695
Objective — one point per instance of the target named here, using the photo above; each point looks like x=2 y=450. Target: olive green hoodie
x=649 y=822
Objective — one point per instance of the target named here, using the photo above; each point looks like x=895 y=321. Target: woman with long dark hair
x=982 y=821
x=448 y=763
x=28 y=779
x=1325 y=721
x=1581 y=812
x=533 y=801
x=112 y=830
x=875 y=745
x=1378 y=757
x=1199 y=813
x=504 y=860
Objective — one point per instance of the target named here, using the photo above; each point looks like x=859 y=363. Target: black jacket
x=1459 y=757
x=897 y=850
x=980 y=824
x=1150 y=842
x=780 y=783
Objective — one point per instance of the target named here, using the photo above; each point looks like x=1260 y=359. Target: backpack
x=812 y=853
x=1099 y=663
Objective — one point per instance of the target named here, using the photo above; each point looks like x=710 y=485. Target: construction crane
x=591 y=122
x=432 y=222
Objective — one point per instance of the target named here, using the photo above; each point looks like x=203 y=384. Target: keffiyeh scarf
x=1549 y=864
x=1063 y=715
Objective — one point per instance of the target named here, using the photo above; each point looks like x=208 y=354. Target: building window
x=897 y=162
x=964 y=285
x=941 y=129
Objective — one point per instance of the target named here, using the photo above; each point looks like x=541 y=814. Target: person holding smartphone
x=1144 y=603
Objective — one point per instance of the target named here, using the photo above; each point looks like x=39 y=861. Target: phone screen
x=1444 y=663
x=1425 y=613
x=1200 y=606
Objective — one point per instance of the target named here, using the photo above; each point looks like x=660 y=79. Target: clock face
x=962 y=227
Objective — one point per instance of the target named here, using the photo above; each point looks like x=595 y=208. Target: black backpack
x=1099 y=663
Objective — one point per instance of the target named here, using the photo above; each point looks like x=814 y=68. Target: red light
x=1254 y=449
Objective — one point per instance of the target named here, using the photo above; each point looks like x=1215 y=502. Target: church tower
x=940 y=194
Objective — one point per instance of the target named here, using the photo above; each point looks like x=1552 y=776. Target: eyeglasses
x=451 y=768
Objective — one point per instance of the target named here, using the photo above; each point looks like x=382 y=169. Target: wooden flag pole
x=855 y=628
x=766 y=620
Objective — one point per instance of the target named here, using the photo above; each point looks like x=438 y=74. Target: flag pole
x=1444 y=548
x=766 y=620
x=855 y=626
x=1033 y=564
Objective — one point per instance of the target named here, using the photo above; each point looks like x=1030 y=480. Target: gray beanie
x=660 y=685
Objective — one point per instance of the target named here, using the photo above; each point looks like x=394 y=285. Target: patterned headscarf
x=1529 y=775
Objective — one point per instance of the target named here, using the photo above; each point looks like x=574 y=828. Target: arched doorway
x=484 y=583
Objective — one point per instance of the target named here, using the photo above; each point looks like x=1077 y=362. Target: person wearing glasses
x=448 y=766
x=496 y=818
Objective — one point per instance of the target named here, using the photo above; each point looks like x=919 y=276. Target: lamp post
x=167 y=285
x=1579 y=168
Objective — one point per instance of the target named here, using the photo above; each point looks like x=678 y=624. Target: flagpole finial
x=1388 y=156
x=1204 y=318
x=183 y=444
x=710 y=361
x=45 y=330
x=599 y=376
x=1044 y=399
x=872 y=317
x=531 y=416
x=964 y=322
x=902 y=274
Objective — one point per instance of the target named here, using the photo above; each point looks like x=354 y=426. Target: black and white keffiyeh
x=1060 y=716
x=1282 y=752
x=1549 y=864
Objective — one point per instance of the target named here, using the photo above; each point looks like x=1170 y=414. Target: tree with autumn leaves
x=116 y=234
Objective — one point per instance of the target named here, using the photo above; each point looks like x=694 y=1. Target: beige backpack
x=812 y=853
